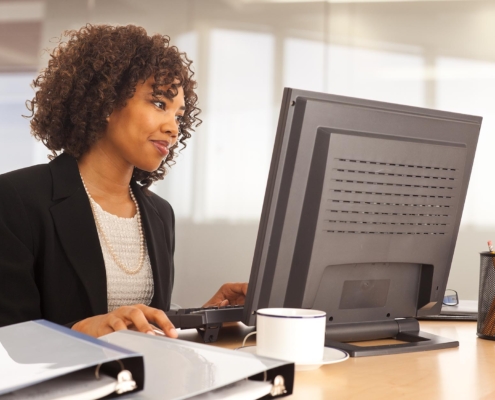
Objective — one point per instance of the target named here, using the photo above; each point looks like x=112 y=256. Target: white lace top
x=123 y=234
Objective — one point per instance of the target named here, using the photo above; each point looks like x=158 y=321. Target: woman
x=83 y=242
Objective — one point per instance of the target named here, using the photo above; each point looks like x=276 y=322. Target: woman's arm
x=19 y=294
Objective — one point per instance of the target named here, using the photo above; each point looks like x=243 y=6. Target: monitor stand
x=406 y=330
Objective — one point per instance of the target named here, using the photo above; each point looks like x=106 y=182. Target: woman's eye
x=179 y=118
x=159 y=104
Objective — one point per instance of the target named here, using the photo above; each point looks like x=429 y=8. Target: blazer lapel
x=76 y=229
x=158 y=250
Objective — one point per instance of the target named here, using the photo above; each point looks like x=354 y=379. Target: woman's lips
x=161 y=146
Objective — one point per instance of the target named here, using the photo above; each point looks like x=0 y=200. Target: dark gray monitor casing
x=361 y=211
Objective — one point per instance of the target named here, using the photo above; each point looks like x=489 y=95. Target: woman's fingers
x=134 y=315
x=137 y=317
x=160 y=319
x=235 y=293
x=114 y=323
x=244 y=288
x=229 y=293
x=237 y=288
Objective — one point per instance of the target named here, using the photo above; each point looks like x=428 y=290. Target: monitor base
x=415 y=341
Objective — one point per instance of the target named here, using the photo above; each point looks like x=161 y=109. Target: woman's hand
x=136 y=317
x=229 y=293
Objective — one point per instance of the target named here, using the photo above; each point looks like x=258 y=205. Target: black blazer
x=51 y=263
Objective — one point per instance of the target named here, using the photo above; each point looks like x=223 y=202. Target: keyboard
x=207 y=321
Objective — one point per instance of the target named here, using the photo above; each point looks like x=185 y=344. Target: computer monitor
x=360 y=218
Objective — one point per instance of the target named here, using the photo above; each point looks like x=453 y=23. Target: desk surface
x=466 y=372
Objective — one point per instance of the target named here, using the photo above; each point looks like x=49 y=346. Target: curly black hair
x=95 y=71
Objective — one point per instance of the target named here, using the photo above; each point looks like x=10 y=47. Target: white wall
x=437 y=54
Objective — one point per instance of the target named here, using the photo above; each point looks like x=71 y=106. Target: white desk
x=466 y=372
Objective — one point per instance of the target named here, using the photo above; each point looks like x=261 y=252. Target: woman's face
x=141 y=133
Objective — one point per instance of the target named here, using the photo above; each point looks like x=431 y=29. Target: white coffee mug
x=291 y=334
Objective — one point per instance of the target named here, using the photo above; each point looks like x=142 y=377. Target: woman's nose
x=170 y=126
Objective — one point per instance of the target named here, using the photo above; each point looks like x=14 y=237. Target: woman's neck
x=107 y=180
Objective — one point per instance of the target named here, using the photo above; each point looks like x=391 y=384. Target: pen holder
x=486 y=299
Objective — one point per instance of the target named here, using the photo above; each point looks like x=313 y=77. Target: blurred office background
x=438 y=54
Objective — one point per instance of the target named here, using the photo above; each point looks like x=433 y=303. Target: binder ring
x=97 y=371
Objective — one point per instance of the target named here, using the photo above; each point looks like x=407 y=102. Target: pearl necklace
x=99 y=226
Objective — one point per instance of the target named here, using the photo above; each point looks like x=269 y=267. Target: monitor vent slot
x=387 y=198
x=396 y=164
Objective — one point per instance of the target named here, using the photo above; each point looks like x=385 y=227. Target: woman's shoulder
x=162 y=205
x=26 y=180
x=24 y=195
